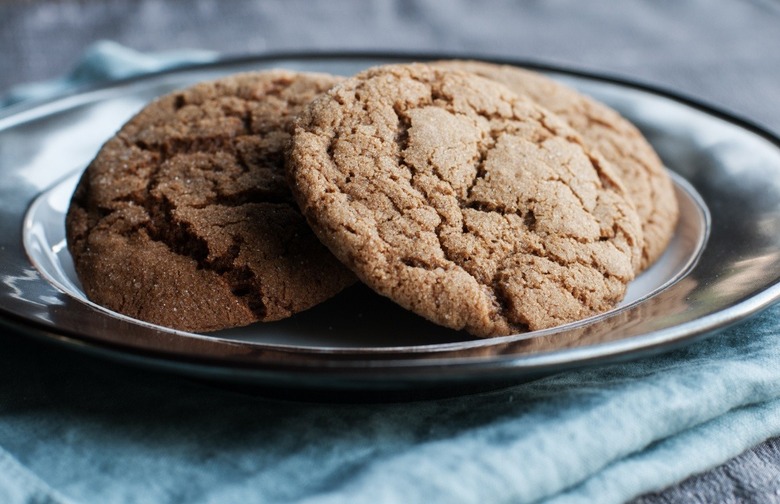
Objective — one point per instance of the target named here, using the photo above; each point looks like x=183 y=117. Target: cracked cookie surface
x=184 y=218
x=462 y=201
x=620 y=142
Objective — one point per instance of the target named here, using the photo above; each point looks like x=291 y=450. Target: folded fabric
x=103 y=62
x=75 y=429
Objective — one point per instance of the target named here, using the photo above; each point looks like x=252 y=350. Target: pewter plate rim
x=402 y=366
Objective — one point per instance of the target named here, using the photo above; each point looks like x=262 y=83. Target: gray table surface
x=725 y=53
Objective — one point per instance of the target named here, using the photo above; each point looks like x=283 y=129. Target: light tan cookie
x=463 y=202
x=642 y=172
x=184 y=218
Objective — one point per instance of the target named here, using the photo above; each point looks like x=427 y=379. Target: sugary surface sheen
x=462 y=201
x=620 y=142
x=184 y=218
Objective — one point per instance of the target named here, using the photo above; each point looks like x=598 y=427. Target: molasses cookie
x=462 y=201
x=619 y=141
x=184 y=218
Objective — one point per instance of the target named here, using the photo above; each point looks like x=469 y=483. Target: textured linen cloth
x=103 y=62
x=74 y=429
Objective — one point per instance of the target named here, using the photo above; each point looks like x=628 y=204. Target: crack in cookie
x=184 y=218
x=603 y=129
x=395 y=168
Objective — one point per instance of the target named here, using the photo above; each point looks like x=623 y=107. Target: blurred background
x=711 y=49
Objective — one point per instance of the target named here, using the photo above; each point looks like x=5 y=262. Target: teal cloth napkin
x=102 y=62
x=79 y=430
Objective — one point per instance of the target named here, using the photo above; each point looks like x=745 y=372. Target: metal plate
x=723 y=264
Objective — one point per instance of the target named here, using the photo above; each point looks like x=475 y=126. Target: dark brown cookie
x=619 y=141
x=462 y=201
x=184 y=218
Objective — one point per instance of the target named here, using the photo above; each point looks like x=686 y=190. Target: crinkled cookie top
x=462 y=201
